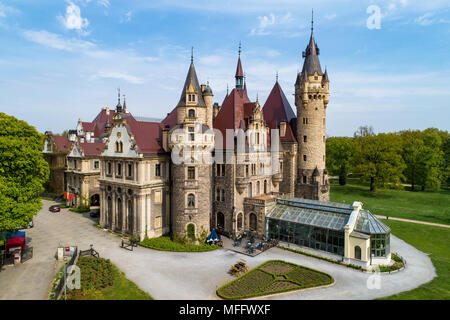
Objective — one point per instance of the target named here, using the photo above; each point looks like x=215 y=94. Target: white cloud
x=118 y=76
x=331 y=16
x=104 y=3
x=127 y=17
x=270 y=21
x=55 y=41
x=425 y=19
x=73 y=19
x=6 y=10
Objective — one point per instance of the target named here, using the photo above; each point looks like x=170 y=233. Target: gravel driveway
x=172 y=275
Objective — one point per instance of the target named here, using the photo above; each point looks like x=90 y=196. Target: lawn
x=435 y=242
x=273 y=276
x=101 y=280
x=424 y=206
x=167 y=244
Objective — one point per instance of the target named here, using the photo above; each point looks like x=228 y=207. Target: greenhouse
x=341 y=229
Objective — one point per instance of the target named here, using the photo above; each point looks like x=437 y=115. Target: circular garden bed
x=273 y=276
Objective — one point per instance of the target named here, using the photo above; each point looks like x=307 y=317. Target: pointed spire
x=192 y=55
x=119 y=105
x=325 y=76
x=311 y=55
x=191 y=78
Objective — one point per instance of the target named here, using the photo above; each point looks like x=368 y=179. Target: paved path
x=415 y=221
x=176 y=275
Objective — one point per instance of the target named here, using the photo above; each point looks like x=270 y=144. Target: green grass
x=424 y=206
x=165 y=243
x=273 y=276
x=435 y=242
x=79 y=210
x=101 y=280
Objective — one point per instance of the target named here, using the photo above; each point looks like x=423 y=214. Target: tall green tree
x=23 y=171
x=377 y=158
x=432 y=165
x=339 y=152
x=413 y=155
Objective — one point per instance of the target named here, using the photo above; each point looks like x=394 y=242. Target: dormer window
x=191 y=113
x=191 y=98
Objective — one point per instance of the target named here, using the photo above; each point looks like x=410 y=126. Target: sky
x=387 y=60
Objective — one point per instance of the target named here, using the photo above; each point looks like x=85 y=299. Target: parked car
x=95 y=213
x=54 y=209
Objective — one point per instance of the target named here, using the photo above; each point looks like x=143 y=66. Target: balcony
x=277 y=178
x=264 y=200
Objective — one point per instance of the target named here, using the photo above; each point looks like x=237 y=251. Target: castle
x=228 y=174
x=234 y=168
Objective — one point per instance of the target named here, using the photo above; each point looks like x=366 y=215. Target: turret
x=311 y=99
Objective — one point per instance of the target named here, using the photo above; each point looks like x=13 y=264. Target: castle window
x=191 y=173
x=218 y=195
x=130 y=170
x=257 y=138
x=304 y=157
x=305 y=139
x=191 y=200
x=316 y=78
x=119 y=169
x=305 y=120
x=191 y=134
x=223 y=195
x=109 y=169
x=158 y=170
x=246 y=170
x=96 y=164
x=74 y=163
x=304 y=179
x=191 y=113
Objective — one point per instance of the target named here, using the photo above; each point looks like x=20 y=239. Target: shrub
x=165 y=243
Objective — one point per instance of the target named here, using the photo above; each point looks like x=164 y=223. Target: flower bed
x=273 y=276
x=167 y=244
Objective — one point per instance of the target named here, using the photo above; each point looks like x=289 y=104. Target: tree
x=23 y=171
x=433 y=162
x=378 y=158
x=339 y=152
x=413 y=153
x=343 y=175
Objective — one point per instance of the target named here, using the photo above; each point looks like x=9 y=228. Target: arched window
x=130 y=217
x=191 y=113
x=109 y=212
x=250 y=190
x=191 y=231
x=253 y=222
x=358 y=253
x=265 y=186
x=258 y=188
x=239 y=221
x=119 y=214
x=191 y=200
x=220 y=221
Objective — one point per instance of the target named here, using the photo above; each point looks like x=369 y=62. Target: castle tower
x=192 y=145
x=311 y=99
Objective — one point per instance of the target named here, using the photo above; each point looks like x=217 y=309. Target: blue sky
x=63 y=60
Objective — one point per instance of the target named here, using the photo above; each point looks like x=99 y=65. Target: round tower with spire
x=191 y=144
x=311 y=100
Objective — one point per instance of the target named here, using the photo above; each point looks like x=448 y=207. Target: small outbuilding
x=341 y=229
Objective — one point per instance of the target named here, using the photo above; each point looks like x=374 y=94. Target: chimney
x=282 y=129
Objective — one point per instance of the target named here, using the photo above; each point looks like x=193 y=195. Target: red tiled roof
x=62 y=143
x=289 y=136
x=88 y=126
x=171 y=119
x=92 y=149
x=239 y=71
x=147 y=135
x=277 y=108
x=100 y=121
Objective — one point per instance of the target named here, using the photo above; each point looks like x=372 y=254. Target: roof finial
x=312 y=20
x=227 y=89
x=118 y=94
x=257 y=96
x=240 y=49
x=277 y=75
x=192 y=55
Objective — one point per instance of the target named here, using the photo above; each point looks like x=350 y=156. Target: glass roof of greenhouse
x=368 y=223
x=315 y=213
x=327 y=215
